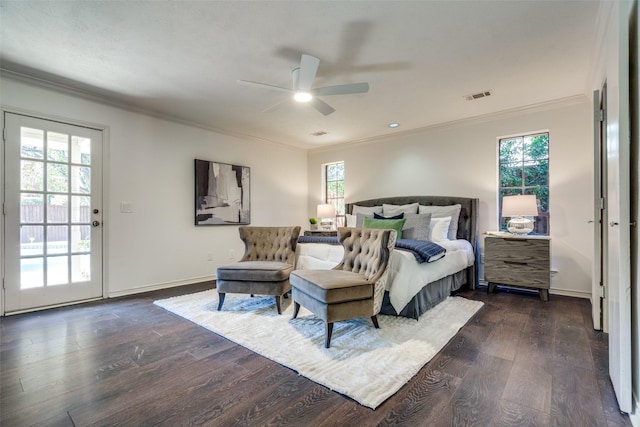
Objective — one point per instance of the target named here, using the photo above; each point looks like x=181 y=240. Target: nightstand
x=523 y=262
x=329 y=233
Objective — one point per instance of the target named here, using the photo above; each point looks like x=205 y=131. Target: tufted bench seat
x=265 y=266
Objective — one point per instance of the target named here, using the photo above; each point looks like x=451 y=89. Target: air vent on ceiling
x=319 y=133
x=478 y=95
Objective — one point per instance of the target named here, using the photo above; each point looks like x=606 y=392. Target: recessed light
x=302 y=96
x=394 y=125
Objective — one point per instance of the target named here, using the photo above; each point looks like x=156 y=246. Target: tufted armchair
x=269 y=256
x=352 y=289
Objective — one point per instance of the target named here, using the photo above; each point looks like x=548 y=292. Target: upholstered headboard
x=467 y=223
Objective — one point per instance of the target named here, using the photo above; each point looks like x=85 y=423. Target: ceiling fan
x=303 y=91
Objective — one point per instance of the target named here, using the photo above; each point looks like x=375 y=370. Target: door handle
x=613 y=223
x=95 y=223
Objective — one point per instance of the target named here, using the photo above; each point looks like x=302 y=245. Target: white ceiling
x=421 y=58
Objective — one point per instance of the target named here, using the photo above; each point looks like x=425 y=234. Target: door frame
x=598 y=296
x=105 y=195
x=618 y=236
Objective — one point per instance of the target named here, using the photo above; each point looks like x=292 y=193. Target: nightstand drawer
x=518 y=250
x=323 y=233
x=521 y=273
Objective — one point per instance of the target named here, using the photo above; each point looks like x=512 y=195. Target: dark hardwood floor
x=519 y=362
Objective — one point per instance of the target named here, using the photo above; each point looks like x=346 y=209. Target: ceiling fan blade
x=308 y=69
x=263 y=85
x=322 y=106
x=276 y=105
x=342 y=89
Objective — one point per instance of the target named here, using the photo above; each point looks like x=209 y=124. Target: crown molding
x=105 y=99
x=110 y=101
x=484 y=118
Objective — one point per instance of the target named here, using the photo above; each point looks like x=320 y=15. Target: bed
x=413 y=287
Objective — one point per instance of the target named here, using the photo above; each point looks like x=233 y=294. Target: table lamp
x=519 y=207
x=326 y=213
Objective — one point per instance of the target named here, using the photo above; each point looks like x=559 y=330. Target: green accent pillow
x=394 y=224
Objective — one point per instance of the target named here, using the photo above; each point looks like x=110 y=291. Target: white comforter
x=406 y=275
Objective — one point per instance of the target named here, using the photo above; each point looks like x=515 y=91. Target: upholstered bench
x=265 y=266
x=255 y=278
x=355 y=287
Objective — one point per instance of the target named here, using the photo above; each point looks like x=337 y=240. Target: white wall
x=150 y=162
x=461 y=160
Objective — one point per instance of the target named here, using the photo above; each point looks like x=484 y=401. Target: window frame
x=528 y=166
x=328 y=197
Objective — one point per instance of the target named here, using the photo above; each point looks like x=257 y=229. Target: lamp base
x=520 y=226
x=326 y=224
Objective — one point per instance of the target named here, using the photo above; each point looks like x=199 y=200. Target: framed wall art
x=222 y=194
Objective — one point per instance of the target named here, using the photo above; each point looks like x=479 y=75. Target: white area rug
x=364 y=363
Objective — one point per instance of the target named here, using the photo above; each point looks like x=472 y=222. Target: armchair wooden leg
x=221 y=296
x=328 y=331
x=374 y=319
x=278 y=304
x=296 y=308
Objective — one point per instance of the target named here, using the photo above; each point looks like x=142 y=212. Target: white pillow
x=392 y=210
x=452 y=211
x=367 y=210
x=351 y=220
x=439 y=229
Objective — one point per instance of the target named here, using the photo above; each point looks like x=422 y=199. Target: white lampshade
x=326 y=211
x=525 y=205
x=517 y=207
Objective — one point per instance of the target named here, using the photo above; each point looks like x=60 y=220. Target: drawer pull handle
x=516 y=262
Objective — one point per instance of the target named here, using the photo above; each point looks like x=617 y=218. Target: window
x=524 y=169
x=334 y=189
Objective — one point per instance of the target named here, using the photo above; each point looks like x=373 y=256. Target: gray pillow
x=443 y=211
x=360 y=218
x=367 y=210
x=391 y=210
x=416 y=226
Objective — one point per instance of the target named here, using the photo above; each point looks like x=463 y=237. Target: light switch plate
x=126 y=207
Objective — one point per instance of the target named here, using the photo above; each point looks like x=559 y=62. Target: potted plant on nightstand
x=313 y=223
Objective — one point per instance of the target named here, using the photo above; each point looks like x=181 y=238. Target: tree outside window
x=524 y=169
x=334 y=189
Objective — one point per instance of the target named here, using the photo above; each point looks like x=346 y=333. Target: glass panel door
x=53 y=200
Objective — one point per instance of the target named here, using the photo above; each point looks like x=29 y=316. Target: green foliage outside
x=335 y=187
x=58 y=171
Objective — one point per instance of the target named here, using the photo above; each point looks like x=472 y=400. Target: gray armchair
x=265 y=267
x=355 y=287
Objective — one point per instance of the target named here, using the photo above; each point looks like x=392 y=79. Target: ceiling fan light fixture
x=301 y=96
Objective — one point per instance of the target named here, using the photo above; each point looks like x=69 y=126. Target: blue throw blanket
x=422 y=250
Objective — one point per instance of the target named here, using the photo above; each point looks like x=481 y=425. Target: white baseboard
x=158 y=286
x=553 y=291
x=635 y=415
x=570 y=293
